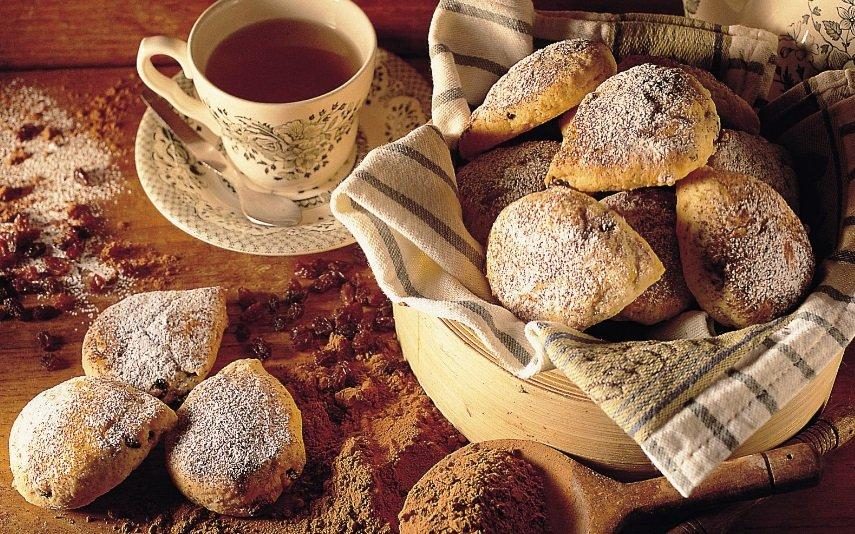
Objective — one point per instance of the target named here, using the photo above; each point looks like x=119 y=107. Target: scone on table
x=78 y=440
x=238 y=443
x=161 y=342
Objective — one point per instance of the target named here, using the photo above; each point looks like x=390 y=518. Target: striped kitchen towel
x=687 y=402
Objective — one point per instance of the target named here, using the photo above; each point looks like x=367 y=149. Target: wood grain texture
x=51 y=33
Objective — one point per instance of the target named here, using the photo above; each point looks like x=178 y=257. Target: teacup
x=286 y=147
x=815 y=35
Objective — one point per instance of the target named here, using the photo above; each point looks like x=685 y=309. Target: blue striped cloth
x=689 y=402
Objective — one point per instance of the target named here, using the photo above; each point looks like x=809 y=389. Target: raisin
x=338 y=265
x=310 y=270
x=16 y=310
x=302 y=337
x=253 y=313
x=258 y=348
x=365 y=341
x=28 y=131
x=50 y=361
x=327 y=281
x=347 y=330
x=161 y=384
x=347 y=293
x=280 y=323
x=384 y=323
x=294 y=311
x=81 y=176
x=74 y=250
x=44 y=312
x=57 y=266
x=9 y=193
x=96 y=283
x=132 y=442
x=272 y=303
x=322 y=326
x=246 y=298
x=48 y=286
x=241 y=332
x=294 y=292
x=370 y=297
x=35 y=249
x=48 y=342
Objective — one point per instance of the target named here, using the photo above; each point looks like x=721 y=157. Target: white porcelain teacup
x=286 y=147
x=815 y=35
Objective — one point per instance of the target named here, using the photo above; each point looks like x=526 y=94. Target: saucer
x=206 y=207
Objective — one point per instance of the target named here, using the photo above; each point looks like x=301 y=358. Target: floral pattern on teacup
x=831 y=42
x=293 y=150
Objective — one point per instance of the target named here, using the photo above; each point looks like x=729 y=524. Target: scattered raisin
x=48 y=342
x=246 y=298
x=241 y=332
x=294 y=292
x=272 y=303
x=310 y=270
x=57 y=266
x=17 y=156
x=50 y=361
x=81 y=176
x=44 y=312
x=347 y=293
x=302 y=337
x=384 y=323
x=95 y=283
x=322 y=326
x=338 y=265
x=35 y=249
x=161 y=384
x=253 y=313
x=258 y=348
x=28 y=131
x=132 y=442
x=280 y=323
x=294 y=311
x=9 y=193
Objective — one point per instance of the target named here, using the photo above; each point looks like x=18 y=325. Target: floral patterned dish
x=205 y=207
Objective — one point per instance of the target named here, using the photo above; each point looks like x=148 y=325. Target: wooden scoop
x=580 y=500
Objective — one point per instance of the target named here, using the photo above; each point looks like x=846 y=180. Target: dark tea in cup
x=282 y=60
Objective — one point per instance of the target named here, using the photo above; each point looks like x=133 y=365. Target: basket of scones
x=609 y=241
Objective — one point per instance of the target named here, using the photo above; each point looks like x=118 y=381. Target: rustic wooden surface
x=68 y=35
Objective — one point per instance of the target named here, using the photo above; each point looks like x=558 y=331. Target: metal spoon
x=264 y=208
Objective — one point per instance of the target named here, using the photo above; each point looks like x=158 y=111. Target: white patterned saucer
x=205 y=207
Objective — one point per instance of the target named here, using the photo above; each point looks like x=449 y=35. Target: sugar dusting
x=231 y=425
x=161 y=342
x=50 y=167
x=57 y=433
x=644 y=113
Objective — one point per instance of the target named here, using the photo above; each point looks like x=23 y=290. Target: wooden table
x=78 y=47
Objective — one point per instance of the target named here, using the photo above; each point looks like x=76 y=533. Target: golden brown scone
x=647 y=126
x=734 y=112
x=746 y=256
x=535 y=90
x=495 y=179
x=652 y=213
x=239 y=441
x=752 y=155
x=80 y=439
x=559 y=255
x=162 y=342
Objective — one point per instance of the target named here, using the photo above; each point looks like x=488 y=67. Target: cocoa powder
x=479 y=489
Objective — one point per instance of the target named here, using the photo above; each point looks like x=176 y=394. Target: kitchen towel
x=687 y=402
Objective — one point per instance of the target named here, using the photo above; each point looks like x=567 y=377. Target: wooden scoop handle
x=832 y=430
x=790 y=467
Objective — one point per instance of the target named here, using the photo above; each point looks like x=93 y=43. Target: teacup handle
x=167 y=87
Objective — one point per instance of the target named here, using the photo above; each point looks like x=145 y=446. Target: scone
x=752 y=155
x=652 y=213
x=162 y=342
x=746 y=256
x=239 y=441
x=647 y=126
x=559 y=255
x=535 y=90
x=80 y=439
x=496 y=178
x=734 y=112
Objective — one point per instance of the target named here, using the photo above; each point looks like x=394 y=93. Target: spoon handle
x=833 y=429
